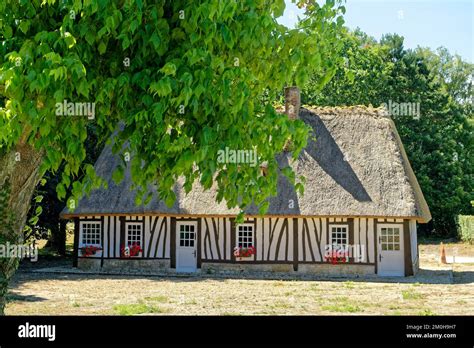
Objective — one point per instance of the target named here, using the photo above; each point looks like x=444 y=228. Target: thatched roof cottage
x=358 y=215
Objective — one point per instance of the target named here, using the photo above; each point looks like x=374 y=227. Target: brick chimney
x=292 y=102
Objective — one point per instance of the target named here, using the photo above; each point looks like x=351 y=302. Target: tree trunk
x=19 y=175
x=58 y=238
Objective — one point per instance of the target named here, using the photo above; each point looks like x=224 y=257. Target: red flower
x=131 y=251
x=336 y=257
x=244 y=252
x=89 y=250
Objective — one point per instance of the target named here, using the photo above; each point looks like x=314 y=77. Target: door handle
x=194 y=253
x=380 y=257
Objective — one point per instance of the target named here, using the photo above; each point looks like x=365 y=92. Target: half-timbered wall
x=273 y=239
x=285 y=240
x=156 y=234
x=314 y=234
x=216 y=239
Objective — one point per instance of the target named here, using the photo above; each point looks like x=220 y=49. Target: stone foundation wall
x=336 y=270
x=287 y=269
x=162 y=266
x=126 y=266
x=89 y=264
x=210 y=267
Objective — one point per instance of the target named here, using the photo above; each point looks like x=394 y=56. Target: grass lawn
x=437 y=289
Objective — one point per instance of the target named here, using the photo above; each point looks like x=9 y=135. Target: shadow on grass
x=14 y=297
x=46 y=260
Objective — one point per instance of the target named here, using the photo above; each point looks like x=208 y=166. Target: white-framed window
x=390 y=238
x=339 y=235
x=187 y=235
x=245 y=235
x=90 y=233
x=133 y=233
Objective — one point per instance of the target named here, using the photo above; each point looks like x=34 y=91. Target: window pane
x=134 y=234
x=245 y=236
x=91 y=233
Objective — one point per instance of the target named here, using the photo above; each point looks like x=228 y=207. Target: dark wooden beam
x=199 y=241
x=102 y=241
x=122 y=233
x=350 y=223
x=295 y=244
x=173 y=243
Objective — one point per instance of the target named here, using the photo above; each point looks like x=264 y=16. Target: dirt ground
x=435 y=290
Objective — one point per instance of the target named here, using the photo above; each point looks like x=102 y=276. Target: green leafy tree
x=453 y=73
x=360 y=80
x=184 y=78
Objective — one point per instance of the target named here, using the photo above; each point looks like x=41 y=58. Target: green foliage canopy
x=440 y=142
x=185 y=78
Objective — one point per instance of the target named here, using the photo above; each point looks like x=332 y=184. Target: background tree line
x=440 y=142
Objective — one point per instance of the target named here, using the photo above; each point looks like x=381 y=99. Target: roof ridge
x=349 y=110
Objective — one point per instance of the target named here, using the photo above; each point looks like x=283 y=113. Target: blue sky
x=427 y=23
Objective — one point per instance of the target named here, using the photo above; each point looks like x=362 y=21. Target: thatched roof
x=356 y=167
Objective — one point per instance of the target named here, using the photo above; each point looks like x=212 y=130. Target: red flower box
x=89 y=250
x=337 y=257
x=244 y=252
x=131 y=250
